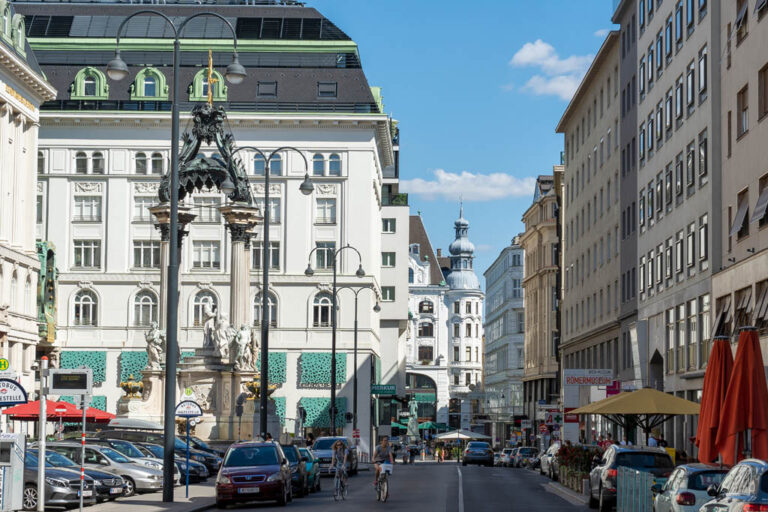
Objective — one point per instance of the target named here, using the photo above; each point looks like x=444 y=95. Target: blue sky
x=478 y=87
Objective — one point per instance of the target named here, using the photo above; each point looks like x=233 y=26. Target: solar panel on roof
x=37 y=25
x=310 y=29
x=292 y=28
x=271 y=27
x=59 y=26
x=248 y=28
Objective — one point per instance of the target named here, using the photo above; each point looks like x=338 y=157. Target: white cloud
x=559 y=76
x=563 y=86
x=602 y=32
x=469 y=186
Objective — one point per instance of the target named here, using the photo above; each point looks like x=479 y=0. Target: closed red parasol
x=716 y=379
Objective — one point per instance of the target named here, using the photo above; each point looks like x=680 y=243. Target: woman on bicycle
x=339 y=459
x=382 y=454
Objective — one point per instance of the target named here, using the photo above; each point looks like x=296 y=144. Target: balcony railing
x=395 y=200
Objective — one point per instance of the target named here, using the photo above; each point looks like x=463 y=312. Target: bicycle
x=339 y=485
x=382 y=485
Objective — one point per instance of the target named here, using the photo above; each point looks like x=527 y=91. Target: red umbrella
x=719 y=368
x=31 y=411
x=745 y=408
x=94 y=415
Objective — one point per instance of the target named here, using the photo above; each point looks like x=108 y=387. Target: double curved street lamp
x=117 y=69
x=360 y=273
x=306 y=188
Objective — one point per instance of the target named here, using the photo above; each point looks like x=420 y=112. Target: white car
x=545 y=461
x=506 y=457
x=686 y=489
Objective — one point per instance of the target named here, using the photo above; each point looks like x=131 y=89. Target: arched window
x=6 y=20
x=271 y=310
x=141 y=163
x=28 y=306
x=276 y=165
x=157 y=163
x=426 y=330
x=14 y=283
x=40 y=162
x=144 y=308
x=321 y=311
x=89 y=86
x=259 y=165
x=410 y=275
x=334 y=165
x=198 y=91
x=150 y=86
x=85 y=308
x=203 y=301
x=98 y=162
x=426 y=306
x=318 y=165
x=81 y=163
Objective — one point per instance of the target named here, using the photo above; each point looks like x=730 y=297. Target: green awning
x=428 y=425
x=425 y=397
x=398 y=425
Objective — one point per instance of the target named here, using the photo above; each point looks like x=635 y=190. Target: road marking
x=461 y=492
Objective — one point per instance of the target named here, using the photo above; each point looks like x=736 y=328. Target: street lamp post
x=376 y=308
x=359 y=273
x=306 y=188
x=117 y=69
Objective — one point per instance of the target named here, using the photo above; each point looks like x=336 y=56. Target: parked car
x=744 y=489
x=132 y=452
x=477 y=452
x=254 y=471
x=299 y=477
x=107 y=486
x=138 y=478
x=497 y=458
x=686 y=489
x=198 y=444
x=524 y=455
x=546 y=461
x=62 y=486
x=323 y=451
x=313 y=469
x=506 y=457
x=602 y=478
x=211 y=461
x=198 y=472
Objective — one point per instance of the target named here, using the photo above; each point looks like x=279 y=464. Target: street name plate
x=383 y=389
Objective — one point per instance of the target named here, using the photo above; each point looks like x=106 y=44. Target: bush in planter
x=576 y=463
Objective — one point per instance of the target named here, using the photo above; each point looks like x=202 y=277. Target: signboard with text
x=70 y=381
x=11 y=393
x=587 y=377
x=383 y=389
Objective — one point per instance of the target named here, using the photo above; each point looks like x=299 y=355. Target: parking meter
x=12 y=451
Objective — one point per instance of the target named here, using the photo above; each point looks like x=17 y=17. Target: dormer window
x=150 y=86
x=198 y=91
x=90 y=84
x=415 y=249
x=326 y=89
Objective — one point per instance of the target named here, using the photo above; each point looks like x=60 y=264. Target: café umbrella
x=716 y=378
x=31 y=411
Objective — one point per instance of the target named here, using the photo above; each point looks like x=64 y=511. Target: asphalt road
x=441 y=488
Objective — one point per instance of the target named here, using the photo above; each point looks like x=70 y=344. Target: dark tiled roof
x=29 y=58
x=418 y=235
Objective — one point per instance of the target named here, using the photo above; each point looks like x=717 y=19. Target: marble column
x=163 y=215
x=240 y=221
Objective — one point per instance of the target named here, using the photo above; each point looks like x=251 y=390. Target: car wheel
x=130 y=486
x=29 y=500
x=221 y=504
x=603 y=505
x=290 y=493
x=283 y=499
x=317 y=483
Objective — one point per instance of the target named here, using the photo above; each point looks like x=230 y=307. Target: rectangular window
x=207 y=210
x=641 y=13
x=641 y=280
x=679 y=174
x=742 y=106
x=141 y=207
x=146 y=254
x=325 y=211
x=762 y=91
x=679 y=98
x=679 y=23
x=456 y=334
x=324 y=255
x=691 y=15
x=206 y=254
x=388 y=293
x=679 y=252
x=388 y=259
x=388 y=225
x=257 y=253
x=703 y=238
x=691 y=249
x=326 y=89
x=642 y=141
x=87 y=254
x=274 y=208
x=668 y=113
x=266 y=89
x=691 y=84
x=659 y=193
x=650 y=66
x=659 y=52
x=669 y=192
x=87 y=209
x=641 y=212
x=668 y=260
x=742 y=8
x=690 y=165
x=659 y=264
x=668 y=36
x=741 y=222
x=703 y=73
x=660 y=121
x=703 y=160
x=39 y=209
x=642 y=75
x=651 y=133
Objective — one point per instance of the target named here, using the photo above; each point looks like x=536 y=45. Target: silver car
x=138 y=478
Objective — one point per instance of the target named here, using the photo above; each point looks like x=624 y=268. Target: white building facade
x=100 y=171
x=504 y=364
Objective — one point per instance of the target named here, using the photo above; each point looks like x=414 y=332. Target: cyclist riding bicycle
x=339 y=459
x=382 y=454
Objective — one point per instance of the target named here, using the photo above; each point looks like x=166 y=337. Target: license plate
x=116 y=490
x=86 y=494
x=248 y=490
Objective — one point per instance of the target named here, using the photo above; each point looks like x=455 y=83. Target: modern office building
x=22 y=89
x=740 y=288
x=504 y=327
x=591 y=217
x=679 y=194
x=105 y=146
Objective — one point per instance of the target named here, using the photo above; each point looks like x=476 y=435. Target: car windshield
x=156 y=450
x=57 y=460
x=507 y=451
x=290 y=454
x=526 y=451
x=701 y=481
x=178 y=444
x=641 y=460
x=30 y=459
x=127 y=449
x=305 y=453
x=114 y=455
x=478 y=446
x=323 y=444
x=199 y=442
x=251 y=456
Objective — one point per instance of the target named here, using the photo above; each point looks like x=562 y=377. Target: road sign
x=383 y=389
x=11 y=393
x=356 y=433
x=4 y=365
x=526 y=424
x=188 y=409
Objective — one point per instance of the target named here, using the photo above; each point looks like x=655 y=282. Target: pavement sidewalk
x=566 y=493
x=201 y=497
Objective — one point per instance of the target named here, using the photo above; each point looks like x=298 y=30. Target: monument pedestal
x=149 y=406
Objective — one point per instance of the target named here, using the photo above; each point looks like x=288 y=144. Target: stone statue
x=209 y=314
x=155 y=346
x=413 y=421
x=243 y=350
x=223 y=334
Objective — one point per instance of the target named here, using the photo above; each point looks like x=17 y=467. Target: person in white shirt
x=652 y=441
x=626 y=442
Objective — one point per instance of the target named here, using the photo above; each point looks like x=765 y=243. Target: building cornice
x=22 y=71
x=587 y=336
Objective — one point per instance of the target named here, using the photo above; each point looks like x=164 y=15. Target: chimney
x=439 y=253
